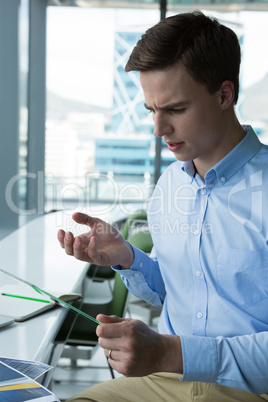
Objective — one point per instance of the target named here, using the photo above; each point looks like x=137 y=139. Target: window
x=99 y=136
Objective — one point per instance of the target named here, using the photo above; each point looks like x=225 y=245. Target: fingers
x=61 y=235
x=104 y=228
x=77 y=249
x=89 y=253
x=107 y=332
x=84 y=250
x=109 y=335
x=68 y=242
x=112 y=354
x=83 y=219
x=129 y=345
x=92 y=252
x=71 y=245
x=95 y=245
x=112 y=327
x=108 y=319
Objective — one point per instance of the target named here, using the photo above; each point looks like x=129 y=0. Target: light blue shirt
x=209 y=266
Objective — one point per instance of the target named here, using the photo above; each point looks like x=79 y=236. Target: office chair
x=99 y=274
x=136 y=220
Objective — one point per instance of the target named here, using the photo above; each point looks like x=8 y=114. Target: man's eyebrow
x=168 y=106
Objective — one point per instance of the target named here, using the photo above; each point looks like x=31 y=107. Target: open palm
x=102 y=245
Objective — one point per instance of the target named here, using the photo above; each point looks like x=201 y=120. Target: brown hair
x=208 y=50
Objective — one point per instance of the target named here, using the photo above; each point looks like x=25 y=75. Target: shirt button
x=203 y=191
x=199 y=315
x=140 y=264
x=223 y=179
x=195 y=232
x=198 y=273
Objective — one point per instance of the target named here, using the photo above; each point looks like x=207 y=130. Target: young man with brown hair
x=209 y=264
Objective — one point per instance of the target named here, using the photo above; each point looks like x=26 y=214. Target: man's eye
x=177 y=110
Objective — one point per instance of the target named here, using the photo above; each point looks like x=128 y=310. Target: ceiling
x=220 y=5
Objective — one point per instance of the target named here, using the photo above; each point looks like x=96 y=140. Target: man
x=209 y=264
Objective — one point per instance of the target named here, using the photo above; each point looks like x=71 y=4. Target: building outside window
x=99 y=137
x=100 y=146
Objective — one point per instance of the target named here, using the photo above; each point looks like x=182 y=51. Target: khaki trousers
x=163 y=387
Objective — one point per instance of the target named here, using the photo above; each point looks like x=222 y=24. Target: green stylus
x=26 y=298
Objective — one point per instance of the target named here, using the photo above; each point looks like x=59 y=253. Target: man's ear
x=227 y=94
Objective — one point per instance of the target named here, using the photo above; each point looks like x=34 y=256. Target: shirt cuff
x=134 y=278
x=200 y=358
x=137 y=263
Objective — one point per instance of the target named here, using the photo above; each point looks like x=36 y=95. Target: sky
x=80 y=48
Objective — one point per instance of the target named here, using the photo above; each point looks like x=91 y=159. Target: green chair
x=98 y=273
x=136 y=231
x=138 y=217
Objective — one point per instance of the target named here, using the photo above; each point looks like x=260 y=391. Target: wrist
x=131 y=256
x=171 y=356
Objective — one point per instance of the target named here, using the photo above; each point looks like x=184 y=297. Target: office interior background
x=74 y=131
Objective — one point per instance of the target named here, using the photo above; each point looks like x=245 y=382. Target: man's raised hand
x=102 y=245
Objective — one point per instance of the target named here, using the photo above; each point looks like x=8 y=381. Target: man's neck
x=234 y=135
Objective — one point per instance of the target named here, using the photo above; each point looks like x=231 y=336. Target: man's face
x=187 y=117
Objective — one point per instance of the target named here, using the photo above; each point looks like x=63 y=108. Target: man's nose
x=161 y=125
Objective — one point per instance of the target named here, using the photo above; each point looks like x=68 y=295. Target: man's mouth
x=174 y=147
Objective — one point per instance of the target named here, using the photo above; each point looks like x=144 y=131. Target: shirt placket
x=201 y=297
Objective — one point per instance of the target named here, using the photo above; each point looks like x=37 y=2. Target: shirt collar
x=238 y=156
x=233 y=161
x=189 y=168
